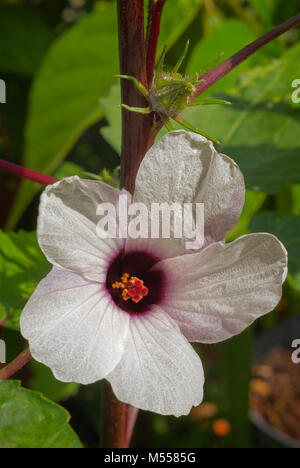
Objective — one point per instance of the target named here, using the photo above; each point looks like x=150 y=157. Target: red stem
x=115 y=418
x=154 y=19
x=228 y=65
x=136 y=134
x=15 y=365
x=21 y=171
x=132 y=414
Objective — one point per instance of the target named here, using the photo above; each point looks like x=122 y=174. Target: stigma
x=132 y=288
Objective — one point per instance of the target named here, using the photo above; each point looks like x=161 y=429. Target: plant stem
x=136 y=134
x=114 y=421
x=132 y=414
x=228 y=65
x=154 y=19
x=21 y=171
x=15 y=365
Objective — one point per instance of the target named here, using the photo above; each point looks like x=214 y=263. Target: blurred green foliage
x=63 y=117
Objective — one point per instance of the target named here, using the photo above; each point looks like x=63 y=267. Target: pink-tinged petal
x=183 y=167
x=159 y=371
x=74 y=328
x=67 y=227
x=218 y=292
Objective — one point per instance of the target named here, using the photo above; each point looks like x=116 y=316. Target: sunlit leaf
x=22 y=266
x=253 y=202
x=260 y=131
x=177 y=15
x=111 y=104
x=29 y=420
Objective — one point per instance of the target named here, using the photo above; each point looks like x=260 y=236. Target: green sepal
x=191 y=127
x=136 y=82
x=207 y=102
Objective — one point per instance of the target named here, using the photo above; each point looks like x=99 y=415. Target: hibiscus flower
x=125 y=310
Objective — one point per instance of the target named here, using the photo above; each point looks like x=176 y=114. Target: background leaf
x=171 y=29
x=29 y=420
x=20 y=52
x=22 y=266
x=253 y=202
x=287 y=229
x=261 y=129
x=42 y=380
x=65 y=96
x=111 y=104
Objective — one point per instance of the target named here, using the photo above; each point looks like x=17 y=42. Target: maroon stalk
x=21 y=171
x=228 y=65
x=136 y=134
x=114 y=421
x=15 y=365
x=154 y=19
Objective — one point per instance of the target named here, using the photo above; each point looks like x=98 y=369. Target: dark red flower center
x=132 y=283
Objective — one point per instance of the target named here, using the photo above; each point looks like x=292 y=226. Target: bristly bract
x=170 y=93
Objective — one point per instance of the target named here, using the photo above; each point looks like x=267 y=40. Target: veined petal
x=184 y=167
x=74 y=328
x=67 y=226
x=218 y=292
x=159 y=371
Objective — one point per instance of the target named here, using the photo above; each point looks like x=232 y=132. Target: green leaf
x=265 y=9
x=64 y=101
x=295 y=195
x=22 y=266
x=68 y=169
x=29 y=420
x=111 y=104
x=287 y=229
x=226 y=38
x=177 y=16
x=253 y=202
x=42 y=380
x=260 y=131
x=236 y=359
x=24 y=40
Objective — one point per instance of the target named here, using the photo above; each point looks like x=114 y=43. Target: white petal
x=217 y=293
x=159 y=371
x=184 y=167
x=74 y=328
x=67 y=226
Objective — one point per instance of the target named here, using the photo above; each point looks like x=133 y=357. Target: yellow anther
x=125 y=277
x=133 y=288
x=125 y=295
